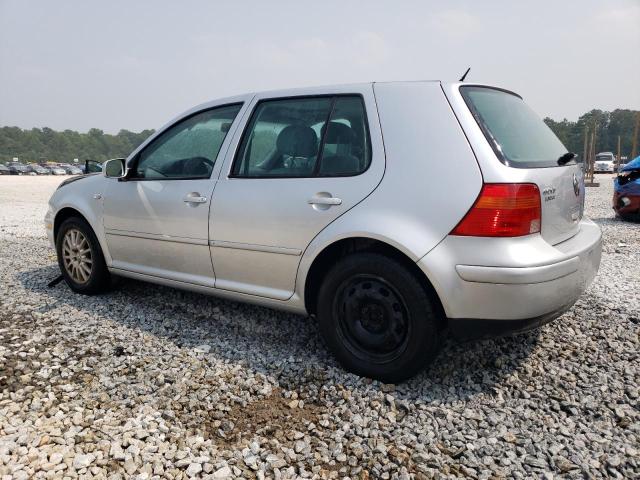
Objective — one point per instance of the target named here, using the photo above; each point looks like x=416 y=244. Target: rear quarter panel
x=557 y=224
x=431 y=178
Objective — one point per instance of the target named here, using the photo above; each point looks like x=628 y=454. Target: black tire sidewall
x=99 y=278
x=423 y=316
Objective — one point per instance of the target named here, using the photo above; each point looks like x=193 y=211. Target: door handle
x=329 y=201
x=323 y=201
x=194 y=197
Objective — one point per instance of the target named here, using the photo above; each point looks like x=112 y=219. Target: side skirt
x=293 y=305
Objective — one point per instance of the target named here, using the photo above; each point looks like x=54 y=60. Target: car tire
x=80 y=257
x=377 y=318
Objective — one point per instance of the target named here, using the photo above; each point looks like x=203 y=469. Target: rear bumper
x=476 y=328
x=514 y=282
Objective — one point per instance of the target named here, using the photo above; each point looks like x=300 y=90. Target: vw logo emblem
x=576 y=185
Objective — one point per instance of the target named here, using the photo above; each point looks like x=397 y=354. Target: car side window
x=347 y=149
x=304 y=137
x=188 y=149
x=280 y=141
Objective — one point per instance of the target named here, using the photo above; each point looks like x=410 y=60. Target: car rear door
x=301 y=160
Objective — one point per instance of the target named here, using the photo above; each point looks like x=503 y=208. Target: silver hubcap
x=76 y=255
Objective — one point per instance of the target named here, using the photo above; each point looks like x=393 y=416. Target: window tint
x=280 y=141
x=518 y=136
x=284 y=138
x=189 y=148
x=346 y=148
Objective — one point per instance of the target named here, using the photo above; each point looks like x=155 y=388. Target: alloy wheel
x=76 y=255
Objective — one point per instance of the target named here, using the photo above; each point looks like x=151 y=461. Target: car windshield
x=518 y=136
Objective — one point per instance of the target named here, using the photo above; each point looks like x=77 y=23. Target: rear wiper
x=566 y=158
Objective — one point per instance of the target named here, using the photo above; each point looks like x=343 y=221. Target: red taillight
x=503 y=210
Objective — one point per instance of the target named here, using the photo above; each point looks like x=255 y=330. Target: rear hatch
x=522 y=141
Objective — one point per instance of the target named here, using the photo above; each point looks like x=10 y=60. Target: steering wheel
x=157 y=171
x=193 y=165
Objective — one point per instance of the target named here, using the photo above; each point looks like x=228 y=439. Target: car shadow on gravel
x=614 y=220
x=278 y=344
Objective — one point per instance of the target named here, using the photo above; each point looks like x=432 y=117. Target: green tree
x=37 y=145
x=608 y=125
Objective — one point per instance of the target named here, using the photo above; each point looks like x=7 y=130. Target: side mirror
x=114 y=168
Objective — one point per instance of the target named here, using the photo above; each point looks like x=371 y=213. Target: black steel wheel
x=372 y=318
x=378 y=318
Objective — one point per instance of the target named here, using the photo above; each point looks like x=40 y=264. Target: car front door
x=298 y=164
x=156 y=218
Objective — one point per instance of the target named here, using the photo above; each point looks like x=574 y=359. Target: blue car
x=626 y=191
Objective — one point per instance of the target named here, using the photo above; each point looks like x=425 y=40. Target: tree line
x=608 y=126
x=45 y=144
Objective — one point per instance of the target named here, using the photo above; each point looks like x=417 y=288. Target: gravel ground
x=151 y=382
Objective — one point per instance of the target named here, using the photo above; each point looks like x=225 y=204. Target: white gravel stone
x=147 y=381
x=83 y=461
x=193 y=469
x=224 y=472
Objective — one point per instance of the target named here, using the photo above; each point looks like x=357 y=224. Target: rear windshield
x=518 y=136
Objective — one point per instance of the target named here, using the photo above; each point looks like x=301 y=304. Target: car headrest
x=297 y=141
x=339 y=133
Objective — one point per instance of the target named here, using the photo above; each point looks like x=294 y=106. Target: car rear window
x=518 y=136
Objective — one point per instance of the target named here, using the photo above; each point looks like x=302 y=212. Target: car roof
x=311 y=90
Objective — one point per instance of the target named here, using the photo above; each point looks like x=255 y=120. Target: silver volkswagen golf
x=390 y=211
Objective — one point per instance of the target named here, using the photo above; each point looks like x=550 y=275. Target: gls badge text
x=549 y=194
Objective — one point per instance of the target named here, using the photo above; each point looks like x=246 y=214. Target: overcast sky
x=134 y=65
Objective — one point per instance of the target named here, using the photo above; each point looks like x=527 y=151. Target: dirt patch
x=273 y=416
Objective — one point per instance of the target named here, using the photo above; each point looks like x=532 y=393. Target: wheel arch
x=341 y=248
x=68 y=211
x=62 y=215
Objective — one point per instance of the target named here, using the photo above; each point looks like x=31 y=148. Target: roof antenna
x=465 y=75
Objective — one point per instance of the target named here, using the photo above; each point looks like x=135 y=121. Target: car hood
x=632 y=165
x=627 y=186
x=75 y=179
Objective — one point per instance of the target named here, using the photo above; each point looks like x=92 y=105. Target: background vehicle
x=4 y=170
x=604 y=163
x=37 y=169
x=17 y=168
x=70 y=169
x=91 y=166
x=56 y=170
x=337 y=203
x=626 y=192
